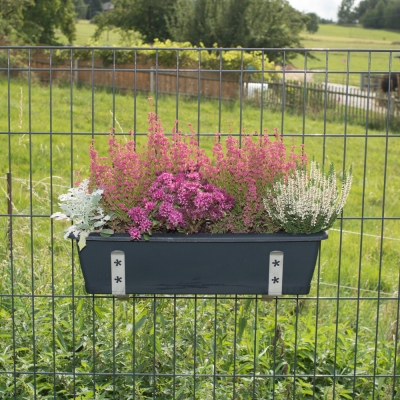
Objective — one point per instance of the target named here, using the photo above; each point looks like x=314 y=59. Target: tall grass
x=344 y=343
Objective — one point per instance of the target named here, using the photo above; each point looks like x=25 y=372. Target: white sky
x=323 y=8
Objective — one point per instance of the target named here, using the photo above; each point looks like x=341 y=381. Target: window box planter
x=278 y=263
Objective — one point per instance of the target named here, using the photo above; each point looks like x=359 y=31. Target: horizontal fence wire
x=340 y=341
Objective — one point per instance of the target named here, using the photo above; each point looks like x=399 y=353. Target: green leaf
x=242 y=326
x=106 y=232
x=82 y=242
x=61 y=340
x=98 y=311
x=95 y=199
x=79 y=306
x=83 y=226
x=140 y=323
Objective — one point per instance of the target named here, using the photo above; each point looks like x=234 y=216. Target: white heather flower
x=307 y=202
x=83 y=208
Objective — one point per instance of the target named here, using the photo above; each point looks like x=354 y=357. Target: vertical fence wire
x=385 y=165
x=71 y=182
x=93 y=297
x=215 y=347
x=10 y=222
x=51 y=224
x=213 y=353
x=198 y=95
x=32 y=261
x=361 y=233
x=283 y=93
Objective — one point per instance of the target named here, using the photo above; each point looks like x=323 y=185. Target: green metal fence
x=338 y=342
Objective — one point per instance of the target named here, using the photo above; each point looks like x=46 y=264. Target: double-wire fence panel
x=58 y=342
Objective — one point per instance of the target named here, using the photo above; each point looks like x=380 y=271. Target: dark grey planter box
x=201 y=263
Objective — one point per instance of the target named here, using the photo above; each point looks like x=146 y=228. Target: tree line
x=223 y=23
x=378 y=14
x=210 y=23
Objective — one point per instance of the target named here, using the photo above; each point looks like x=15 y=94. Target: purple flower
x=186 y=200
x=203 y=201
x=158 y=194
x=165 y=209
x=175 y=218
x=149 y=205
x=137 y=214
x=140 y=218
x=135 y=233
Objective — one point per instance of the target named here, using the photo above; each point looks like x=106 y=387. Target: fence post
x=9 y=210
x=152 y=80
x=76 y=72
x=391 y=107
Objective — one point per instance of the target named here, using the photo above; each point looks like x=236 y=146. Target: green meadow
x=341 y=61
x=328 y=348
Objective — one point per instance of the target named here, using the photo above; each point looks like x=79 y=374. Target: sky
x=323 y=8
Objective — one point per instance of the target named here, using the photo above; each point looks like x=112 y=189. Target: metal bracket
x=265 y=297
x=124 y=297
x=118 y=273
x=275 y=273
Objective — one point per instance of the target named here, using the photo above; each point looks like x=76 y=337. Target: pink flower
x=149 y=206
x=140 y=218
x=134 y=233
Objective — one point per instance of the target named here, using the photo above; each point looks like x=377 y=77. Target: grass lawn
x=344 y=332
x=84 y=32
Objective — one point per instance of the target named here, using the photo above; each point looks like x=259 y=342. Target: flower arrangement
x=171 y=184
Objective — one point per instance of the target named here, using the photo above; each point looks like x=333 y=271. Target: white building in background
x=108 y=6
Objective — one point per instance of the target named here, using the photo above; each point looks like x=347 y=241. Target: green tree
x=312 y=23
x=346 y=14
x=95 y=7
x=43 y=17
x=364 y=6
x=36 y=21
x=232 y=23
x=80 y=9
x=148 y=17
x=12 y=19
x=274 y=23
x=392 y=15
x=374 y=18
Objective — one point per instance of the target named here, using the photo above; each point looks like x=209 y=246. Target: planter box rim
x=216 y=238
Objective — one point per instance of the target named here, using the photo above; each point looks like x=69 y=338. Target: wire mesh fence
x=340 y=341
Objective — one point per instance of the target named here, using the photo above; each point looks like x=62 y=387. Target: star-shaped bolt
x=275 y=280
x=275 y=263
x=117 y=263
x=118 y=279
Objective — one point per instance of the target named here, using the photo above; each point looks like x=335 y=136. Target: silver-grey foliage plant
x=83 y=208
